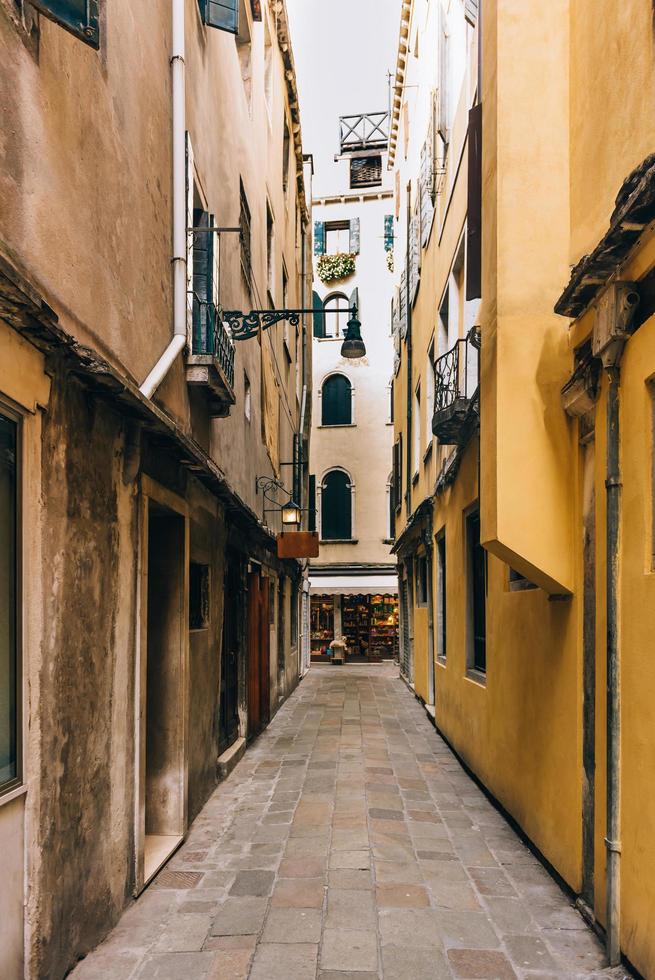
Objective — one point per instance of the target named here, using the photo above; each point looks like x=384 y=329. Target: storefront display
x=322 y=624
x=367 y=623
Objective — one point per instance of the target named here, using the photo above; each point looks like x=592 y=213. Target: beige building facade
x=151 y=181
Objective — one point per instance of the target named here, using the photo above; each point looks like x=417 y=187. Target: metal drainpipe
x=178 y=86
x=620 y=302
x=409 y=446
x=613 y=839
x=429 y=552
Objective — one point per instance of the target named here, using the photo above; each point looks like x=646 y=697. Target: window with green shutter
x=319 y=238
x=10 y=677
x=221 y=14
x=205 y=282
x=336 y=399
x=80 y=17
x=319 y=315
x=336 y=506
x=388 y=233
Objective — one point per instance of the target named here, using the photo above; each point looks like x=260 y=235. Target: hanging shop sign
x=297 y=544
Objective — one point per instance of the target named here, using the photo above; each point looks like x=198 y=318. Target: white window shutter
x=443 y=94
x=414 y=255
x=354 y=236
x=425 y=189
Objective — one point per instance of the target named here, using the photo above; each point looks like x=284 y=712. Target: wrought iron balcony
x=366 y=132
x=456 y=387
x=210 y=363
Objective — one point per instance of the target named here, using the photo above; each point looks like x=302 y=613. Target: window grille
x=366 y=171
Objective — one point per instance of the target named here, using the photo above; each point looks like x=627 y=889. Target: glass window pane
x=8 y=652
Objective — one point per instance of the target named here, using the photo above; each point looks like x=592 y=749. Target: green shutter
x=319 y=315
x=203 y=283
x=388 y=233
x=336 y=399
x=312 y=503
x=221 y=14
x=319 y=238
x=353 y=244
x=336 y=507
x=80 y=17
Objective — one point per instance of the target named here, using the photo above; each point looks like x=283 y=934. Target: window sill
x=427 y=453
x=478 y=677
x=338 y=541
x=323 y=340
x=13 y=794
x=339 y=425
x=415 y=479
x=441 y=661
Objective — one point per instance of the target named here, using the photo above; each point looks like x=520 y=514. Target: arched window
x=336 y=506
x=337 y=401
x=335 y=322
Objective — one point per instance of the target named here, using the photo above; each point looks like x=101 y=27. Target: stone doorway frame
x=151 y=856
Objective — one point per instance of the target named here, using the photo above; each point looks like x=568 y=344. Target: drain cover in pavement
x=178 y=879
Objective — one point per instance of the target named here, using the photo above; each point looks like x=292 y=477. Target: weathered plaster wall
x=82 y=829
x=74 y=142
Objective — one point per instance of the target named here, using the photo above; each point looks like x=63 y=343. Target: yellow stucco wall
x=519 y=730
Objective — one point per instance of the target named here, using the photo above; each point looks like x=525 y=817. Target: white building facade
x=353 y=581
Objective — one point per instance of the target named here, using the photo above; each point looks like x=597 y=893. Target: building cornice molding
x=634 y=210
x=279 y=8
x=399 y=80
x=352 y=198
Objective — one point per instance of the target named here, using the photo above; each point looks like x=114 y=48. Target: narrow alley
x=350 y=843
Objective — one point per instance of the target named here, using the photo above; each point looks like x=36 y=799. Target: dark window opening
x=9 y=662
x=518 y=582
x=441 y=596
x=477 y=588
x=198 y=596
x=366 y=171
x=421 y=580
x=245 y=236
x=336 y=398
x=336 y=507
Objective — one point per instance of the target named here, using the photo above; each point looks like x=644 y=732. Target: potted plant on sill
x=332 y=268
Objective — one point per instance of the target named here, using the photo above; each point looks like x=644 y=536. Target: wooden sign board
x=297 y=544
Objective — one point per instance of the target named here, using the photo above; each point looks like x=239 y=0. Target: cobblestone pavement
x=349 y=843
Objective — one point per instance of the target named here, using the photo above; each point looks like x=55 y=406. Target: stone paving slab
x=349 y=844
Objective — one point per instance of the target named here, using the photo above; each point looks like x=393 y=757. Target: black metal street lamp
x=243 y=326
x=353 y=345
x=290 y=512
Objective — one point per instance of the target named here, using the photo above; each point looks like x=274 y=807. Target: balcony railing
x=456 y=385
x=210 y=363
x=364 y=132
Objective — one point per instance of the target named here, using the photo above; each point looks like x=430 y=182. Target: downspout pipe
x=612 y=329
x=408 y=313
x=429 y=557
x=613 y=837
x=179 y=339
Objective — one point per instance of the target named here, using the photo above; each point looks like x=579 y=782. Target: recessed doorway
x=163 y=777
